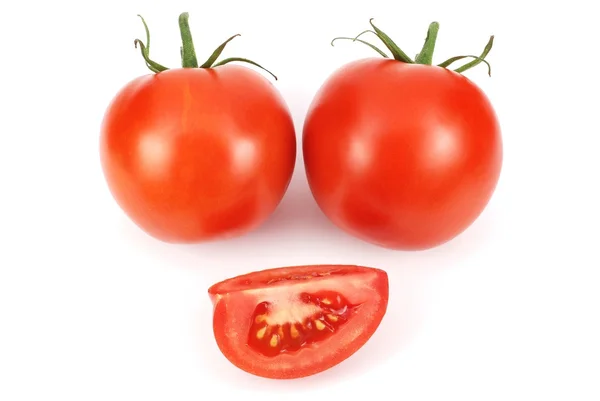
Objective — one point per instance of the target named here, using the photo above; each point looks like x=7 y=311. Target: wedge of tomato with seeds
x=293 y=322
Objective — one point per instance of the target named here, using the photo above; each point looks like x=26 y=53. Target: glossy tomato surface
x=404 y=156
x=196 y=154
x=298 y=321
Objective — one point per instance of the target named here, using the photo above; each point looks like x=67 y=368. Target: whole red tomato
x=402 y=153
x=199 y=152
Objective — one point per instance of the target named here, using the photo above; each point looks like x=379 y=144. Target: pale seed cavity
x=280 y=330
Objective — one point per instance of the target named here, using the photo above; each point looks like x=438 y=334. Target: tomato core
x=290 y=327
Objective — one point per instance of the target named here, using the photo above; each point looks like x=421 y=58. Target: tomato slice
x=292 y=322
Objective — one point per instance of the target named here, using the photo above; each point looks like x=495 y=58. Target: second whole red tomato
x=402 y=153
x=200 y=152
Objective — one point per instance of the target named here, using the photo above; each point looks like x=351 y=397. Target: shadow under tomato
x=476 y=237
x=298 y=210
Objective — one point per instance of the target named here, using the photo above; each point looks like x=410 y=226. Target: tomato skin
x=235 y=299
x=404 y=156
x=194 y=154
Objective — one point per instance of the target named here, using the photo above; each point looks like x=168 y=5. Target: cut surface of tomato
x=293 y=322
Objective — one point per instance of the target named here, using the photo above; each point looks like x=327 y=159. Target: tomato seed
x=261 y=333
x=319 y=324
x=294 y=331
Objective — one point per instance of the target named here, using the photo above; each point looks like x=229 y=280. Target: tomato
x=400 y=153
x=292 y=322
x=193 y=154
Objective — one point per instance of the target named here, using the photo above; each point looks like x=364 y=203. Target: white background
x=91 y=308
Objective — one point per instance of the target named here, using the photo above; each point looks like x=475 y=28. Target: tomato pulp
x=297 y=321
x=193 y=154
x=400 y=154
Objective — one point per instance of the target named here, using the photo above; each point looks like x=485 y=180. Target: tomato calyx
x=188 y=52
x=425 y=56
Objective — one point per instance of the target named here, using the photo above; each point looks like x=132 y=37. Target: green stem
x=378 y=50
x=147 y=34
x=451 y=60
x=152 y=65
x=389 y=43
x=481 y=58
x=145 y=49
x=244 y=60
x=215 y=55
x=425 y=57
x=189 y=53
x=366 y=31
x=426 y=54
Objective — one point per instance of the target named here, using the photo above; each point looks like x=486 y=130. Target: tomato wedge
x=293 y=322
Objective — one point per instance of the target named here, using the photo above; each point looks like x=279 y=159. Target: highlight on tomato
x=293 y=322
x=201 y=152
x=399 y=152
